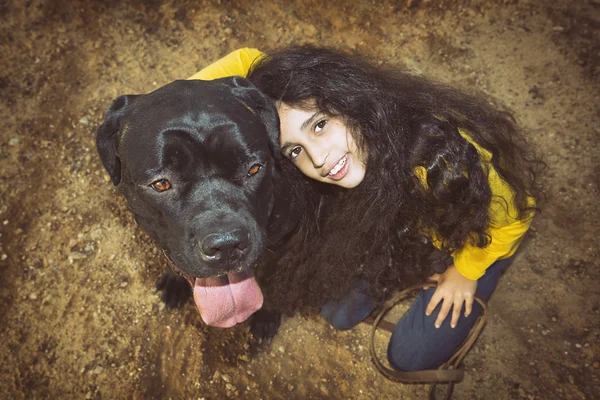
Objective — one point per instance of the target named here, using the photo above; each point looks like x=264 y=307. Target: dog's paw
x=175 y=289
x=264 y=324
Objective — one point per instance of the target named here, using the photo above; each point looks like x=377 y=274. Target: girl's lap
x=415 y=343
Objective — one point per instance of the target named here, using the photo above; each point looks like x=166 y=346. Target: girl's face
x=321 y=147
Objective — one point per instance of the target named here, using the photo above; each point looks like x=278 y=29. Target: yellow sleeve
x=236 y=63
x=506 y=230
x=472 y=261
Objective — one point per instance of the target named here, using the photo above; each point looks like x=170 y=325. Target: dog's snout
x=225 y=246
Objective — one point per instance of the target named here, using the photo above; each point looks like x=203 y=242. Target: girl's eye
x=161 y=185
x=295 y=152
x=320 y=125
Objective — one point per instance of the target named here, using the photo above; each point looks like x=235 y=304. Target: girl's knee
x=349 y=311
x=340 y=321
x=417 y=345
x=408 y=356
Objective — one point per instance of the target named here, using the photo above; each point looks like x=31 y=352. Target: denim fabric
x=416 y=344
x=350 y=310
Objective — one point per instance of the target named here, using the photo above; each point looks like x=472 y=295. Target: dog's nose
x=225 y=246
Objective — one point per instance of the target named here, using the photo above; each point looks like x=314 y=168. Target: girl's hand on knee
x=454 y=290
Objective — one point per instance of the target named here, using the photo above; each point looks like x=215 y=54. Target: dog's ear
x=265 y=107
x=107 y=137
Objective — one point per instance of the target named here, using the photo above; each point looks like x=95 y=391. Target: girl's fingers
x=443 y=312
x=458 y=302
x=435 y=299
x=468 y=304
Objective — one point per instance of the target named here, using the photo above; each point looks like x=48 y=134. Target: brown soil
x=78 y=315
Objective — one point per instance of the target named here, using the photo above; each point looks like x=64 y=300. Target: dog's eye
x=254 y=169
x=161 y=185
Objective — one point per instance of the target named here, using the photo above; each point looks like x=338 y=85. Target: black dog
x=200 y=167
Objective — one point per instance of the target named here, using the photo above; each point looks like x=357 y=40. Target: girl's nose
x=318 y=156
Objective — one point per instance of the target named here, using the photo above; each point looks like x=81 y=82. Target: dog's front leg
x=175 y=289
x=264 y=324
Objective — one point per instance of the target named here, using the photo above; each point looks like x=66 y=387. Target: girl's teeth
x=338 y=166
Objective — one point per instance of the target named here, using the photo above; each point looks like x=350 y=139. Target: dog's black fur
x=206 y=138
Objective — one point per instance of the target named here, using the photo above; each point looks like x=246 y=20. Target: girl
x=417 y=180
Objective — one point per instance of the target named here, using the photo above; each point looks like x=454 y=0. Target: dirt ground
x=78 y=314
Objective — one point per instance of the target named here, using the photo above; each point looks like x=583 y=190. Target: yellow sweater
x=506 y=229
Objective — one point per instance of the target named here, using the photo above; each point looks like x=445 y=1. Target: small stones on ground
x=75 y=255
x=97 y=370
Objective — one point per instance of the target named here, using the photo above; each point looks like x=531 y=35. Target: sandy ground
x=78 y=315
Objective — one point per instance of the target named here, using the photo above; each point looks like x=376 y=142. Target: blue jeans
x=416 y=344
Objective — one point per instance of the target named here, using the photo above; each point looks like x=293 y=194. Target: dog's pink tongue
x=227 y=300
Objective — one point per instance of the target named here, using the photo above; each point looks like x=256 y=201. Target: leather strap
x=450 y=372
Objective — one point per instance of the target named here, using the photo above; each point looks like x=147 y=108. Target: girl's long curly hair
x=381 y=231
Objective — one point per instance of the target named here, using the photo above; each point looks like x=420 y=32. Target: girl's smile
x=322 y=147
x=340 y=169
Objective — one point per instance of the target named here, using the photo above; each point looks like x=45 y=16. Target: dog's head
x=195 y=161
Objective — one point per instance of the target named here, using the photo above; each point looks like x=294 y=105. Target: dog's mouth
x=225 y=300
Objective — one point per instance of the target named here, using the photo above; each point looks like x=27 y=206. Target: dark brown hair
x=380 y=230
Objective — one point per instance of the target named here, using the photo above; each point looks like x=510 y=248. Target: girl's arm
x=236 y=63
x=472 y=261
x=506 y=231
x=458 y=284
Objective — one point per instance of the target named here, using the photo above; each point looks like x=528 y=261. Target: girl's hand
x=453 y=289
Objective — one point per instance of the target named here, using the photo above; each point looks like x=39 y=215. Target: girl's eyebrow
x=285 y=146
x=305 y=124
x=309 y=120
